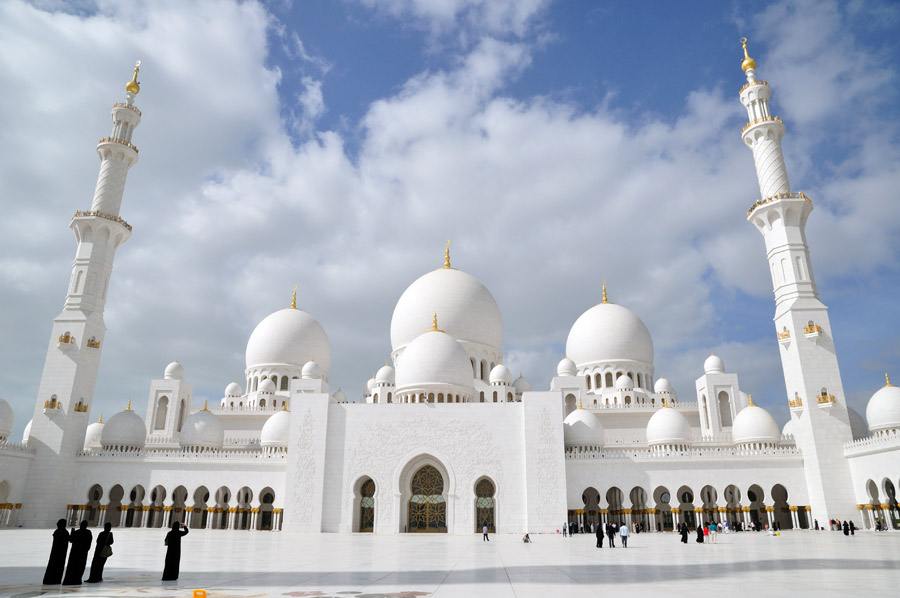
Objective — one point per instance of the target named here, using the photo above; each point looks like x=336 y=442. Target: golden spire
x=294 y=298
x=603 y=297
x=887 y=380
x=128 y=406
x=750 y=400
x=447 y=256
x=100 y=419
x=133 y=87
x=748 y=63
x=205 y=406
x=284 y=406
x=664 y=403
x=434 y=323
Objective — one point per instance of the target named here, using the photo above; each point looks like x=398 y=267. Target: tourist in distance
x=683 y=530
x=564 y=529
x=173 y=552
x=699 y=534
x=102 y=551
x=611 y=535
x=526 y=538
x=713 y=531
x=852 y=529
x=57 y=562
x=484 y=533
x=599 y=534
x=81 y=545
x=623 y=533
x=846 y=528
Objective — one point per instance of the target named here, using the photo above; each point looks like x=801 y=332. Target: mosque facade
x=445 y=439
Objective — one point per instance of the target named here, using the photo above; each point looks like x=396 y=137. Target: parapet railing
x=885 y=439
x=595 y=453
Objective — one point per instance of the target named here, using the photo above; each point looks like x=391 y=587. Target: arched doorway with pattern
x=364 y=505
x=485 y=505
x=425 y=489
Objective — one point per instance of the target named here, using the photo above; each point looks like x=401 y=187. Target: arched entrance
x=664 y=520
x=199 y=513
x=875 y=504
x=427 y=505
x=365 y=498
x=485 y=506
x=242 y=513
x=591 y=512
x=135 y=507
x=782 y=513
x=114 y=506
x=709 y=495
x=266 y=509
x=92 y=512
x=757 y=508
x=616 y=513
x=223 y=495
x=570 y=403
x=179 y=498
x=890 y=492
x=686 y=506
x=155 y=515
x=733 y=505
x=639 y=507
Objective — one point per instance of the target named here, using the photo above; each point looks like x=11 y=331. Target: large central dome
x=609 y=332
x=467 y=309
x=288 y=337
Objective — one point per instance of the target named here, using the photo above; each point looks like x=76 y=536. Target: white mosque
x=445 y=440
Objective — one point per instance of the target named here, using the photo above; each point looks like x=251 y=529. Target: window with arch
x=724 y=409
x=284 y=382
x=485 y=506
x=609 y=379
x=162 y=411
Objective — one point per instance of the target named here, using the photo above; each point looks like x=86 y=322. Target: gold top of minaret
x=887 y=380
x=128 y=406
x=603 y=297
x=205 y=406
x=294 y=298
x=447 y=263
x=748 y=63
x=134 y=87
x=750 y=401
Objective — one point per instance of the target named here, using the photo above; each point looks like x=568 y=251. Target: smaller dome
x=754 y=424
x=434 y=358
x=883 y=409
x=663 y=386
x=311 y=371
x=714 y=365
x=276 y=431
x=126 y=428
x=26 y=433
x=385 y=375
x=266 y=387
x=233 y=390
x=668 y=426
x=370 y=385
x=583 y=427
x=500 y=375
x=788 y=429
x=624 y=382
x=521 y=384
x=566 y=367
x=339 y=396
x=174 y=371
x=93 y=434
x=6 y=419
x=202 y=429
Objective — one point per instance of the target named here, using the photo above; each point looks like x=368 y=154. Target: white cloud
x=542 y=200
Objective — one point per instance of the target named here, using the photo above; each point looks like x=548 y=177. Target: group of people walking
x=80 y=539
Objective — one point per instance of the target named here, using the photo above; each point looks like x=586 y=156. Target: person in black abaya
x=683 y=530
x=57 y=562
x=699 y=534
x=173 y=553
x=102 y=551
x=81 y=544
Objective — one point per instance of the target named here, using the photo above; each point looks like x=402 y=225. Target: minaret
x=76 y=340
x=808 y=356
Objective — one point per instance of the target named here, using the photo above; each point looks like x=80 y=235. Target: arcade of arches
x=202 y=509
x=661 y=510
x=882 y=511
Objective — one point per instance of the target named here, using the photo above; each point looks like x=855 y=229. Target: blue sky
x=338 y=144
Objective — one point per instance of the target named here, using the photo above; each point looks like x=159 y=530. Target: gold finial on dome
x=134 y=87
x=294 y=298
x=128 y=406
x=750 y=401
x=205 y=405
x=100 y=419
x=434 y=323
x=603 y=297
x=748 y=63
x=447 y=263
x=284 y=406
x=887 y=380
x=664 y=402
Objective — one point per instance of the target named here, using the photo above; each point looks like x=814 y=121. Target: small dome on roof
x=624 y=382
x=663 y=386
x=583 y=427
x=434 y=357
x=883 y=409
x=385 y=375
x=202 y=429
x=609 y=332
x=713 y=365
x=500 y=375
x=339 y=396
x=288 y=337
x=233 y=390
x=93 y=434
x=370 y=385
x=266 y=387
x=566 y=367
x=311 y=371
x=521 y=384
x=6 y=419
x=668 y=426
x=276 y=431
x=754 y=424
x=174 y=371
x=124 y=429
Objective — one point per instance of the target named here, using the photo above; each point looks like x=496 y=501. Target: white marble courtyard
x=407 y=566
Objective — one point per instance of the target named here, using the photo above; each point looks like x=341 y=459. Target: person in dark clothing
x=57 y=561
x=81 y=545
x=852 y=529
x=699 y=534
x=102 y=551
x=817 y=524
x=683 y=529
x=611 y=535
x=599 y=534
x=173 y=553
x=846 y=528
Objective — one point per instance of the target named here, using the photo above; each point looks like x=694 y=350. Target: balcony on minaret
x=812 y=330
x=795 y=403
x=93 y=343
x=824 y=399
x=52 y=405
x=66 y=341
x=784 y=337
x=80 y=407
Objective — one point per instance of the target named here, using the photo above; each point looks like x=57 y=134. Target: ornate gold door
x=484 y=506
x=367 y=507
x=427 y=507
